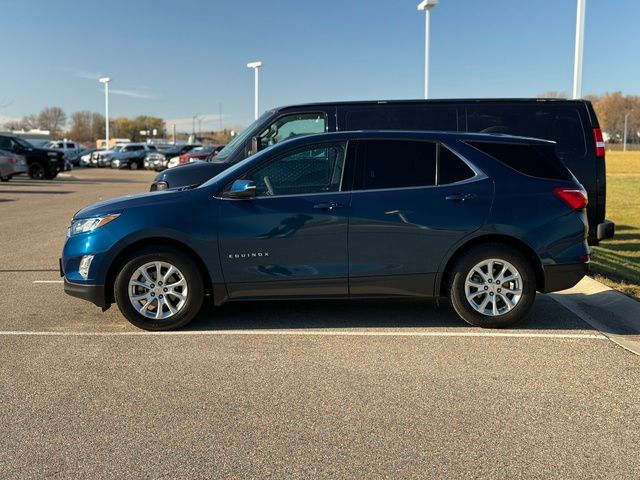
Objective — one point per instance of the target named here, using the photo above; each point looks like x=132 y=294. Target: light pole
x=426 y=5
x=577 y=63
x=255 y=66
x=624 y=137
x=193 y=125
x=106 y=81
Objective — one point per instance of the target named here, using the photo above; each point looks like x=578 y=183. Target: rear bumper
x=561 y=277
x=91 y=293
x=606 y=229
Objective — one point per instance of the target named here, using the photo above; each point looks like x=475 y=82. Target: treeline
x=88 y=126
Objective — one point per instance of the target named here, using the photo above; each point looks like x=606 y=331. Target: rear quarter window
x=533 y=160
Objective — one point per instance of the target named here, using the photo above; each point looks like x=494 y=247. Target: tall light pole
x=624 y=137
x=193 y=125
x=426 y=5
x=577 y=63
x=106 y=81
x=255 y=66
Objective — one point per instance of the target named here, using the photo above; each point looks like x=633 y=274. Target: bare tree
x=29 y=122
x=552 y=94
x=13 y=125
x=52 y=119
x=611 y=109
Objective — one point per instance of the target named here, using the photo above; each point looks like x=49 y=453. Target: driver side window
x=292 y=126
x=312 y=169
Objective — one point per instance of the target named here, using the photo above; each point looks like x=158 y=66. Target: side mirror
x=242 y=189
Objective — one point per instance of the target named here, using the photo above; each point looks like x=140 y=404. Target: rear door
x=412 y=201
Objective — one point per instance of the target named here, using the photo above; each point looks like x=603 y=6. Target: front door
x=291 y=238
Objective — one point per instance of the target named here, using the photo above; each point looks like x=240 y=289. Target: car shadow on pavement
x=546 y=314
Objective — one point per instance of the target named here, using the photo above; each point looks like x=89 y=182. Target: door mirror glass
x=242 y=189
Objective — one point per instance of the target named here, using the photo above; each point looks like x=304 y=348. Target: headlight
x=84 y=225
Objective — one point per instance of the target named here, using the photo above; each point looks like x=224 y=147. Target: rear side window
x=451 y=168
x=406 y=118
x=560 y=123
x=533 y=160
x=396 y=164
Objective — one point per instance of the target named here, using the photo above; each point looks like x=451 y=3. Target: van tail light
x=575 y=198
x=599 y=140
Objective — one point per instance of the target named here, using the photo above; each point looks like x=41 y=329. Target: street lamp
x=255 y=66
x=577 y=63
x=426 y=5
x=193 y=125
x=106 y=81
x=624 y=137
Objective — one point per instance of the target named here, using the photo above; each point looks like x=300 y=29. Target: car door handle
x=460 y=197
x=327 y=205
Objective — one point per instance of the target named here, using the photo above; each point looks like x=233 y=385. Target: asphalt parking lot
x=290 y=389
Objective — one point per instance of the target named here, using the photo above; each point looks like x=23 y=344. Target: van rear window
x=533 y=160
x=559 y=123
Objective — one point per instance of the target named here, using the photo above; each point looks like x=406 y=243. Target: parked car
x=198 y=153
x=485 y=220
x=11 y=164
x=131 y=156
x=98 y=158
x=158 y=160
x=69 y=149
x=572 y=124
x=42 y=164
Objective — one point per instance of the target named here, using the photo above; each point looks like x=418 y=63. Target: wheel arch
x=120 y=258
x=442 y=282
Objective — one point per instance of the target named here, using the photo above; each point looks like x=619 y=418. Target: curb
x=607 y=310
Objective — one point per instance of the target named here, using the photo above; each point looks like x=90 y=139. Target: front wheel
x=493 y=285
x=133 y=165
x=159 y=289
x=7 y=178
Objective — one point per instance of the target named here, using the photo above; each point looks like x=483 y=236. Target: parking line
x=328 y=333
x=48 y=281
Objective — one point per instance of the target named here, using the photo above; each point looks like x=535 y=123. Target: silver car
x=11 y=164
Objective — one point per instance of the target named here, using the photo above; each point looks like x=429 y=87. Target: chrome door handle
x=460 y=197
x=327 y=205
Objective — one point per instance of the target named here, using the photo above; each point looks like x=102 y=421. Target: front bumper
x=91 y=293
x=561 y=277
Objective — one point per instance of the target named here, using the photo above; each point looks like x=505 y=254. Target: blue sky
x=176 y=58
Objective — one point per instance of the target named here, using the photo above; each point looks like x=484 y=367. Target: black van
x=572 y=124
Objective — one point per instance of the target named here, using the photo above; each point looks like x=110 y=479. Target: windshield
x=22 y=142
x=241 y=137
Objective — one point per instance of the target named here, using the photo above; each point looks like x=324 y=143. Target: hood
x=46 y=151
x=119 y=204
x=194 y=173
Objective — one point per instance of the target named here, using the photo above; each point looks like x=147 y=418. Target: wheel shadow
x=546 y=314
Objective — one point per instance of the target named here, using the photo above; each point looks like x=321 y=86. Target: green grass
x=618 y=260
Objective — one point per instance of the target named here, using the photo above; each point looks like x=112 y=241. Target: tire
x=6 y=179
x=484 y=300
x=133 y=165
x=185 y=272
x=37 y=171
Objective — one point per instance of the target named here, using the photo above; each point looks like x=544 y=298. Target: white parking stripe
x=327 y=333
x=48 y=281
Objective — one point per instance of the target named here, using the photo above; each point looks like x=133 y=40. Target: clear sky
x=176 y=58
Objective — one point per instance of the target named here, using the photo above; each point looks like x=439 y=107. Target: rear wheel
x=492 y=285
x=159 y=289
x=37 y=171
x=133 y=165
x=7 y=178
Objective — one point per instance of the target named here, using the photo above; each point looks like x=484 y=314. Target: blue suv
x=486 y=220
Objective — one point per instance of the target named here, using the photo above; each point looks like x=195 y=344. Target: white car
x=69 y=149
x=11 y=164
